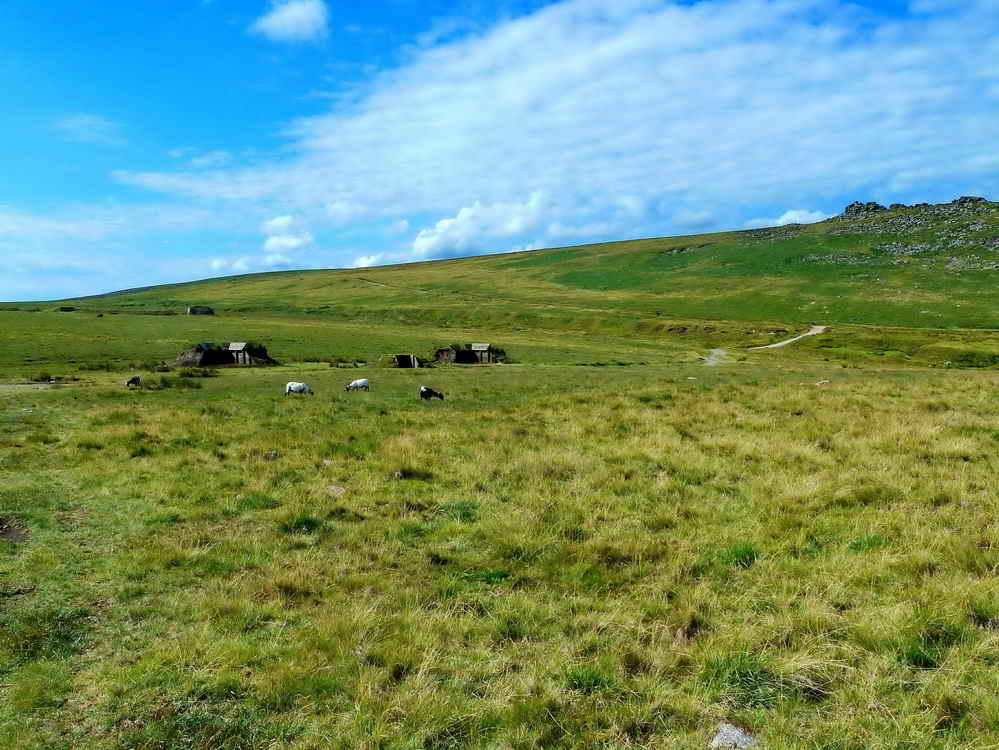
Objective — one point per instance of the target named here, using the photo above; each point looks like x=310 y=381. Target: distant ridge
x=925 y=265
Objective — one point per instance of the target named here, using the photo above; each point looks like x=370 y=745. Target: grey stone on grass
x=730 y=736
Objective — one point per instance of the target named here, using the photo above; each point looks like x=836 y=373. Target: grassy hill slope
x=920 y=266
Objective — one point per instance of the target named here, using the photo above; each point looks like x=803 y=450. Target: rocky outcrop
x=858 y=209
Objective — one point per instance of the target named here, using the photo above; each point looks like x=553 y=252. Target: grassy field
x=923 y=267
x=605 y=544
x=555 y=556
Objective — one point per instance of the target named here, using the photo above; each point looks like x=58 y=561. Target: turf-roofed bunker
x=469 y=354
x=403 y=361
x=233 y=354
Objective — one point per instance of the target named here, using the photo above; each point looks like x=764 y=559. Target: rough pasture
x=574 y=557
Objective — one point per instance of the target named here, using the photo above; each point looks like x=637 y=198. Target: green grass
x=557 y=555
x=553 y=557
x=921 y=268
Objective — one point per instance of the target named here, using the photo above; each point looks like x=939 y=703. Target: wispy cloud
x=795 y=216
x=294 y=21
x=84 y=127
x=750 y=106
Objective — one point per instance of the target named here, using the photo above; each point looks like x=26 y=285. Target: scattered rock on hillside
x=857 y=209
x=731 y=736
x=966 y=199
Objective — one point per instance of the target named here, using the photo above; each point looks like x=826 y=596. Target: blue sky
x=144 y=143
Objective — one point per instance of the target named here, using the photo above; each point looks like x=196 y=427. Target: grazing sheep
x=358 y=385
x=427 y=393
x=134 y=380
x=294 y=387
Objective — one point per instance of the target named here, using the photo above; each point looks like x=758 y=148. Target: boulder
x=730 y=736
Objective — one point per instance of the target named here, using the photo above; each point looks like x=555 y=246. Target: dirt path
x=813 y=331
x=24 y=386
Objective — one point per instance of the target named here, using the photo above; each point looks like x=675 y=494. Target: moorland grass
x=553 y=557
x=916 y=267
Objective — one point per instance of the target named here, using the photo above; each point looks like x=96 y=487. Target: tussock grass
x=553 y=557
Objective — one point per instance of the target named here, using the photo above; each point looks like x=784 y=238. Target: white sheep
x=358 y=385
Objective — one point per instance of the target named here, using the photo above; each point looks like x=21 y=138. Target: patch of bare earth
x=11 y=531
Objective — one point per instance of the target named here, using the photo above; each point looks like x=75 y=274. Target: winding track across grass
x=813 y=331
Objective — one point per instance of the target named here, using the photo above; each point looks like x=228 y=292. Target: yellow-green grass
x=914 y=267
x=45 y=345
x=554 y=556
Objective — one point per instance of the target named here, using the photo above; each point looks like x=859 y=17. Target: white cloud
x=342 y=211
x=695 y=219
x=287 y=241
x=237 y=265
x=275 y=260
x=366 y=261
x=399 y=227
x=84 y=127
x=277 y=225
x=752 y=102
x=284 y=234
x=795 y=216
x=23 y=225
x=294 y=21
x=211 y=160
x=478 y=224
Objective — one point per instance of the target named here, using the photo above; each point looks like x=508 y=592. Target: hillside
x=606 y=544
x=928 y=266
